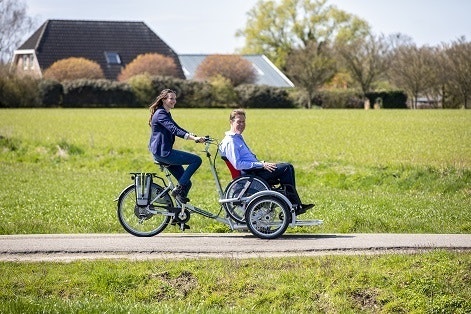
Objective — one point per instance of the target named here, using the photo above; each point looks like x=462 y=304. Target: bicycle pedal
x=184 y=227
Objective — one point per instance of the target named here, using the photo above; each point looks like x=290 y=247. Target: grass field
x=436 y=282
x=367 y=171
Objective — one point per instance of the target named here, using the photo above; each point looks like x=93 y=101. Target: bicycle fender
x=122 y=192
x=270 y=193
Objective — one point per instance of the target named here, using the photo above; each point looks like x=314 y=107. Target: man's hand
x=270 y=166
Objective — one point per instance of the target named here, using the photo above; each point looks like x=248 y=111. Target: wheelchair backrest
x=234 y=172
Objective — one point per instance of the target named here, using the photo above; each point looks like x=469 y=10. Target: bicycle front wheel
x=139 y=220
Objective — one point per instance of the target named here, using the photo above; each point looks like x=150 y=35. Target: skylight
x=112 y=57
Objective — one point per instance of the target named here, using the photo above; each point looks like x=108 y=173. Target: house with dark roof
x=267 y=72
x=112 y=44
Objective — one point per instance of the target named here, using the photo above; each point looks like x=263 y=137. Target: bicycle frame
x=169 y=186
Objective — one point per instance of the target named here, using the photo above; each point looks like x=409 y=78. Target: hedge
x=141 y=91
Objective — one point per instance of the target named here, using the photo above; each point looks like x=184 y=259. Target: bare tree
x=439 y=89
x=311 y=67
x=366 y=60
x=412 y=70
x=14 y=24
x=397 y=40
x=458 y=56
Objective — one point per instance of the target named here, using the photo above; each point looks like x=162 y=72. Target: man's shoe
x=303 y=208
x=178 y=194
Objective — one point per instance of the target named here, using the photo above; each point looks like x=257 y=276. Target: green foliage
x=190 y=94
x=50 y=93
x=141 y=86
x=275 y=28
x=338 y=99
x=432 y=282
x=73 y=69
x=97 y=93
x=223 y=93
x=17 y=91
x=197 y=95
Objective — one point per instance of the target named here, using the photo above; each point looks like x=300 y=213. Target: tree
x=458 y=56
x=311 y=67
x=366 y=59
x=274 y=28
x=232 y=67
x=14 y=23
x=72 y=69
x=152 y=64
x=412 y=70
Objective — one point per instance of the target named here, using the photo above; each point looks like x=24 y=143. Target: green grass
x=435 y=282
x=367 y=171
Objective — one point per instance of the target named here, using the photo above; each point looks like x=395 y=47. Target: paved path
x=67 y=247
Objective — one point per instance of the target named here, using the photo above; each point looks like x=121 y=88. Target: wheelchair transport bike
x=146 y=207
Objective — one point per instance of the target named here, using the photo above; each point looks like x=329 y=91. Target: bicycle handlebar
x=207 y=139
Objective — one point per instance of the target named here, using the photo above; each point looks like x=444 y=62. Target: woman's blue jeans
x=177 y=159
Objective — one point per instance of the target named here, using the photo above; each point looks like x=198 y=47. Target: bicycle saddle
x=158 y=163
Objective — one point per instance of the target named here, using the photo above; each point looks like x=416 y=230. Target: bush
x=255 y=96
x=16 y=91
x=50 y=93
x=141 y=86
x=334 y=99
x=222 y=92
x=196 y=95
x=190 y=94
x=98 y=93
x=150 y=64
x=390 y=99
x=73 y=69
x=232 y=67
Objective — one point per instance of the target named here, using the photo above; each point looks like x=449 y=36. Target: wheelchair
x=244 y=186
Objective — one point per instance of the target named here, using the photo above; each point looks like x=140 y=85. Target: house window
x=112 y=57
x=25 y=62
x=28 y=62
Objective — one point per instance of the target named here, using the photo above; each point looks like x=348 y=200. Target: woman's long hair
x=158 y=102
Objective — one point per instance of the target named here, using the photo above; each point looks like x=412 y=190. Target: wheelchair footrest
x=303 y=223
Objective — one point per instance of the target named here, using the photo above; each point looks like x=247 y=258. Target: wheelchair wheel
x=236 y=210
x=138 y=220
x=267 y=216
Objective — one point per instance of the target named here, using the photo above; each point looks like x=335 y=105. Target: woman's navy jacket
x=164 y=129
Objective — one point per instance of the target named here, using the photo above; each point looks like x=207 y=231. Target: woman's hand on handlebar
x=200 y=139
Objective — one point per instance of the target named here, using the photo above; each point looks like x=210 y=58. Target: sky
x=209 y=26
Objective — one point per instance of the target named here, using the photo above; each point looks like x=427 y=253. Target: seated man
x=234 y=148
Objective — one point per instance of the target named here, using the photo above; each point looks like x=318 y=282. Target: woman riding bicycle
x=163 y=132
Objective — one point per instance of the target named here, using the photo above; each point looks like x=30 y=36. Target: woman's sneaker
x=177 y=192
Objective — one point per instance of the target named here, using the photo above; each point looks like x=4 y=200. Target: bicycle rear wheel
x=138 y=220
